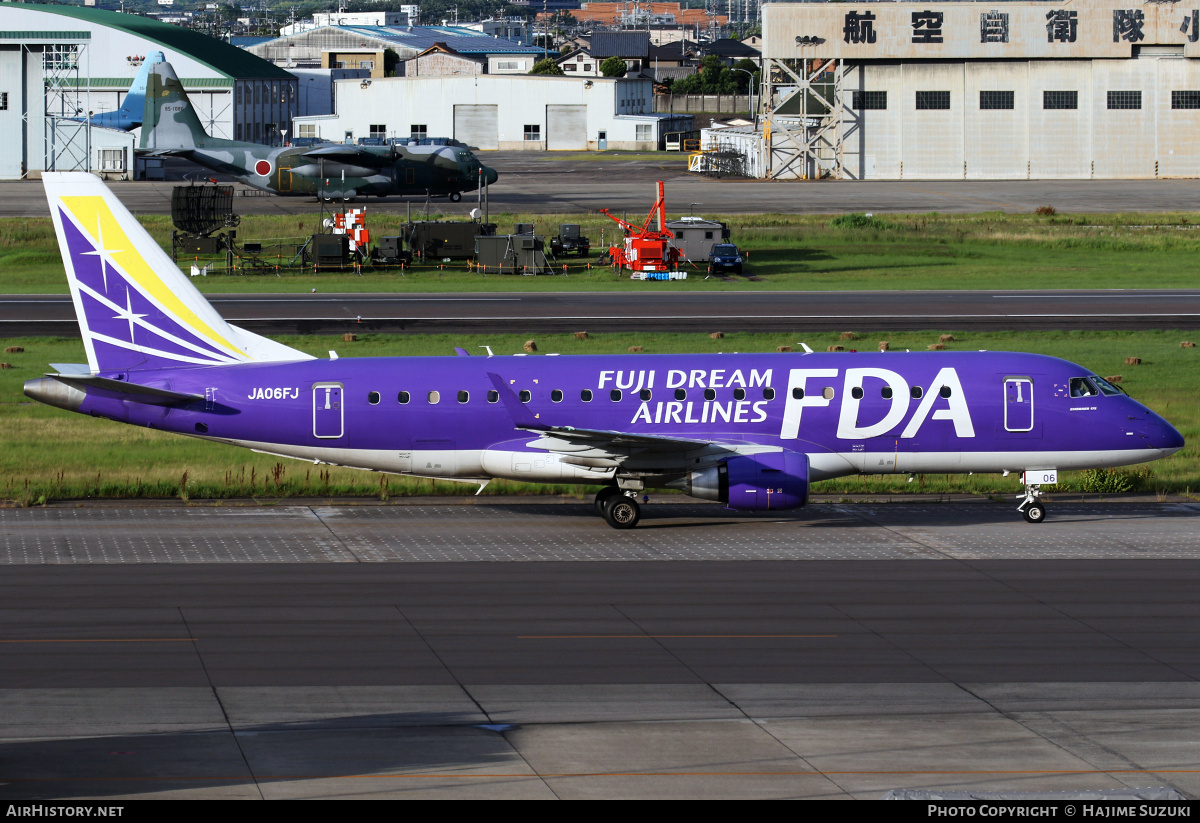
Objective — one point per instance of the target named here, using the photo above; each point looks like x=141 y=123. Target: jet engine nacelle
x=754 y=482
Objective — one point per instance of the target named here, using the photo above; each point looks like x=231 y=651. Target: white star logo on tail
x=104 y=254
x=128 y=314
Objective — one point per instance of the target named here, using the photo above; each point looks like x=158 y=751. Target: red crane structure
x=645 y=248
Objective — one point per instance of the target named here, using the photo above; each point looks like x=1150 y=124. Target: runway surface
x=557 y=183
x=385 y=651
x=546 y=313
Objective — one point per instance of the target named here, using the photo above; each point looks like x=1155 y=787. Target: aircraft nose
x=1169 y=438
x=490 y=175
x=1161 y=435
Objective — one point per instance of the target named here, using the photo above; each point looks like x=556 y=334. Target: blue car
x=725 y=257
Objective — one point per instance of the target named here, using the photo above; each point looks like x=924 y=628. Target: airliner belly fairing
x=750 y=430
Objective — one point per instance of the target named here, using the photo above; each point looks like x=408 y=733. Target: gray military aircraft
x=330 y=171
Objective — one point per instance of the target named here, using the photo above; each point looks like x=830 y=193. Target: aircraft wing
x=622 y=441
x=572 y=439
x=343 y=153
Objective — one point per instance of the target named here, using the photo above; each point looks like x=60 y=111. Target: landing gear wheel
x=455 y=196
x=1034 y=513
x=603 y=496
x=622 y=512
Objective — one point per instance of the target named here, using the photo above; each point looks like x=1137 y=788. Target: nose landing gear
x=1032 y=508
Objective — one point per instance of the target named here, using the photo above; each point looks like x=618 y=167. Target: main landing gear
x=619 y=510
x=1032 y=508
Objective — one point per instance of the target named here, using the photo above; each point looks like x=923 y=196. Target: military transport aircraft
x=129 y=116
x=330 y=171
x=750 y=430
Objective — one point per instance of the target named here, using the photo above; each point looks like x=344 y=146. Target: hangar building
x=508 y=112
x=969 y=90
x=86 y=58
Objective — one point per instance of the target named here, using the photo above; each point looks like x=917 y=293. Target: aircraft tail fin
x=134 y=105
x=169 y=123
x=136 y=309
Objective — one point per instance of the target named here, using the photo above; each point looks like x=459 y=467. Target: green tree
x=613 y=67
x=547 y=66
x=390 y=59
x=744 y=80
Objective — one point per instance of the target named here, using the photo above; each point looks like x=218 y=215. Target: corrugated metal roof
x=243 y=42
x=462 y=40
x=25 y=36
x=620 y=44
x=216 y=54
x=662 y=74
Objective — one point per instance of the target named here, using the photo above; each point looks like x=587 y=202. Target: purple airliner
x=749 y=430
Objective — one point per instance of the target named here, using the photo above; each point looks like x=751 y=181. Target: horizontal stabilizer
x=132 y=392
x=71 y=368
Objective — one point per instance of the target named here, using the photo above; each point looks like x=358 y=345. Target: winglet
x=461 y=352
x=521 y=416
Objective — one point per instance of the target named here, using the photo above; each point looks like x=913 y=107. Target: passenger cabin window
x=886 y=392
x=586 y=395
x=857 y=393
x=434 y=398
x=710 y=394
x=463 y=396
x=944 y=391
x=525 y=396
x=739 y=394
x=827 y=393
x=681 y=394
x=916 y=392
x=373 y=398
x=797 y=393
x=556 y=396
x=645 y=394
x=768 y=394
x=615 y=395
x=1082 y=387
x=403 y=397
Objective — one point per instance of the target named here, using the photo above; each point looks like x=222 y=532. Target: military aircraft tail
x=129 y=115
x=169 y=123
x=136 y=309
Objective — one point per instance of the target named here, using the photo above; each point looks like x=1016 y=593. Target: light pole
x=750 y=88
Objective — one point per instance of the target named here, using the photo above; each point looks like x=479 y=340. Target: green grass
x=48 y=453
x=789 y=252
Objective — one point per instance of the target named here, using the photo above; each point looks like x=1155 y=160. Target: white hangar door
x=566 y=128
x=476 y=126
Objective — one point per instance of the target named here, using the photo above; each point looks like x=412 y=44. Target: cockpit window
x=1082 y=387
x=1105 y=386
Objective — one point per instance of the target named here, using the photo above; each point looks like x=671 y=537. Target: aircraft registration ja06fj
x=750 y=430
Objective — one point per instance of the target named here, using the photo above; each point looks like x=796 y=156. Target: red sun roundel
x=262 y=168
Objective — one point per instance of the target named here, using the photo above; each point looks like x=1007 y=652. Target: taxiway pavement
x=561 y=312
x=503 y=650
x=551 y=183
